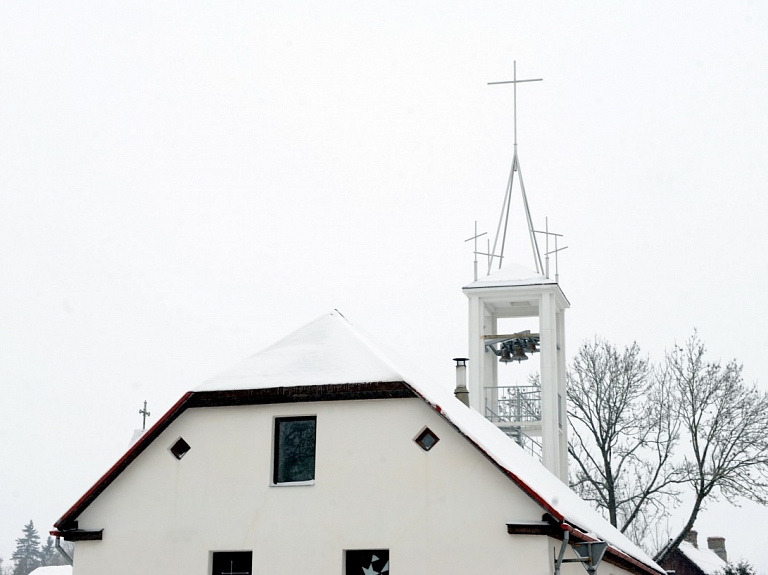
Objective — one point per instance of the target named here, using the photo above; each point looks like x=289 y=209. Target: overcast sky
x=181 y=184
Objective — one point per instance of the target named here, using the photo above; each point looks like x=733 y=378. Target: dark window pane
x=232 y=563
x=427 y=439
x=294 y=449
x=180 y=448
x=367 y=562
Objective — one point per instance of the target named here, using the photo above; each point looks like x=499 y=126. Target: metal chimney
x=462 y=393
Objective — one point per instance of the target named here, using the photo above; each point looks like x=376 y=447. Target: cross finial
x=144 y=415
x=504 y=217
x=515 y=82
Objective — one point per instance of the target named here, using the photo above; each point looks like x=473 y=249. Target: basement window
x=369 y=561
x=426 y=439
x=294 y=450
x=180 y=448
x=232 y=563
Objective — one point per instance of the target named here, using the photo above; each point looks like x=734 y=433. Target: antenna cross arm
x=557 y=250
x=547 y=233
x=515 y=81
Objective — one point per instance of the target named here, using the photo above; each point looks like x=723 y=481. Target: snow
x=511 y=275
x=53 y=570
x=331 y=350
x=706 y=559
x=323 y=352
x=137 y=433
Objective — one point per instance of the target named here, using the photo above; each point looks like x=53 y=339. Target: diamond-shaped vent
x=180 y=448
x=427 y=439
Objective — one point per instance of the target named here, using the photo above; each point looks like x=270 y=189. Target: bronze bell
x=506 y=357
x=530 y=346
x=518 y=354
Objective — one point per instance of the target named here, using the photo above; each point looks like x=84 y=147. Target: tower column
x=562 y=403
x=550 y=435
x=476 y=359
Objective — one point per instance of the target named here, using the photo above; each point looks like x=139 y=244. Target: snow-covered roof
x=53 y=570
x=705 y=559
x=325 y=351
x=330 y=350
x=511 y=275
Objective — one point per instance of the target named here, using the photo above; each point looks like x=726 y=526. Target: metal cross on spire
x=504 y=217
x=144 y=415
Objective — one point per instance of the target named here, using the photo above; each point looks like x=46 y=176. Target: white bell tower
x=533 y=413
x=521 y=411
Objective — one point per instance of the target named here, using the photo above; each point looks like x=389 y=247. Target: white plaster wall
x=438 y=512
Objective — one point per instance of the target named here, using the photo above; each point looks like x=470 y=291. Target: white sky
x=181 y=184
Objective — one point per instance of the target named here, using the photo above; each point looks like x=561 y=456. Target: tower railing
x=513 y=409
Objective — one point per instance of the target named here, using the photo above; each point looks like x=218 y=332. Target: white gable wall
x=442 y=511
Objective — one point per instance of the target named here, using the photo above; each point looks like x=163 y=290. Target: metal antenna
x=547 y=233
x=475 y=251
x=504 y=217
x=144 y=415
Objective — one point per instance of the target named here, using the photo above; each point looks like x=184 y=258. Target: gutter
x=60 y=549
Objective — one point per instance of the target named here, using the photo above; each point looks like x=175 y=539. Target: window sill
x=293 y=483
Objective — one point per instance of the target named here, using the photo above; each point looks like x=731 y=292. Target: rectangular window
x=232 y=563
x=294 y=449
x=368 y=562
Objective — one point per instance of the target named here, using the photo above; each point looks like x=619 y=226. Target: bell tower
x=532 y=412
x=534 y=415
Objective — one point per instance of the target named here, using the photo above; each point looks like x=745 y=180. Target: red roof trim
x=366 y=390
x=619 y=556
x=69 y=519
x=528 y=490
x=519 y=482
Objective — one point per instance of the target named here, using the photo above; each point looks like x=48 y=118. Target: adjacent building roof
x=705 y=559
x=331 y=356
x=53 y=570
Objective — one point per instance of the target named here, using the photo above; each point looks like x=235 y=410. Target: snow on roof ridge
x=508 y=455
x=326 y=350
x=705 y=559
x=356 y=343
x=527 y=472
x=511 y=275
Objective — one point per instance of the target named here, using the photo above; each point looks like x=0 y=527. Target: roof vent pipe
x=462 y=393
x=717 y=544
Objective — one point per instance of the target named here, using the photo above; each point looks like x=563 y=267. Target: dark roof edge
x=68 y=521
x=618 y=557
x=303 y=393
x=550 y=527
x=519 y=482
x=193 y=399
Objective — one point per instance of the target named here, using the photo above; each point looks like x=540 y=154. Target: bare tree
x=623 y=431
x=628 y=417
x=726 y=423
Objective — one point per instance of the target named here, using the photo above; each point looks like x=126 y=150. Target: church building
x=324 y=454
x=319 y=454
